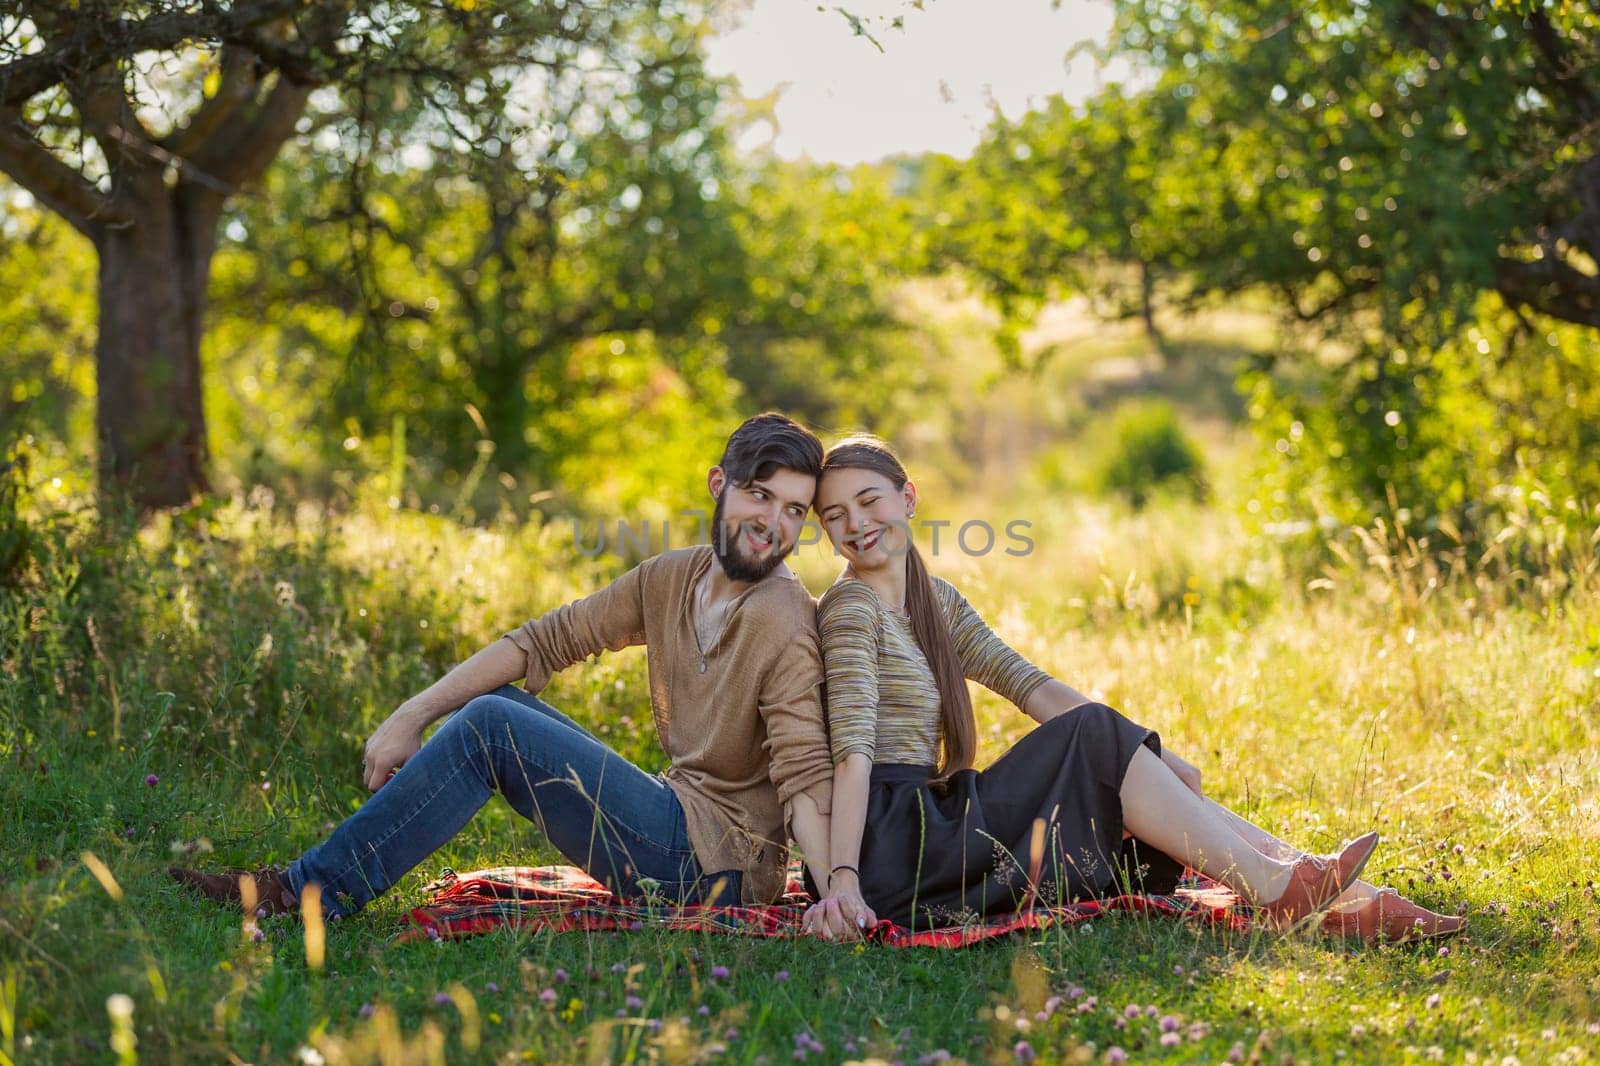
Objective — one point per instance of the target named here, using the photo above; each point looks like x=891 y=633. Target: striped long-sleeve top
x=881 y=695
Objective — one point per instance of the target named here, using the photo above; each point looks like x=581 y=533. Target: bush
x=16 y=535
x=1146 y=451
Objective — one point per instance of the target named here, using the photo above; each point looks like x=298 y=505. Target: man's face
x=755 y=526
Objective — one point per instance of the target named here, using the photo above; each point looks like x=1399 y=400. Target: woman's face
x=865 y=516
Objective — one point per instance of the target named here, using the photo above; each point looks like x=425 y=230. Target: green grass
x=243 y=657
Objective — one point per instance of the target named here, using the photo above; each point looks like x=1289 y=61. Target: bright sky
x=933 y=86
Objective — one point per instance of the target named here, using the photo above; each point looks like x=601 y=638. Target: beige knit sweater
x=747 y=735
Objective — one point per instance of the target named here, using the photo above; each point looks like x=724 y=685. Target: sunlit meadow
x=201 y=689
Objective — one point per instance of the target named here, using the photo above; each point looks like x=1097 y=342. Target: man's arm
x=808 y=824
x=400 y=735
x=611 y=619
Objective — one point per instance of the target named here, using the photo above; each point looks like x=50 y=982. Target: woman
x=921 y=839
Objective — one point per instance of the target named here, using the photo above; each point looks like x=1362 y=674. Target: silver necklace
x=706 y=645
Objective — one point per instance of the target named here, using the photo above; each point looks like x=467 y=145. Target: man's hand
x=842 y=914
x=1187 y=773
x=394 y=742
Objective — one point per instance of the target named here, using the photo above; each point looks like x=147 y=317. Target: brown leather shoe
x=1391 y=918
x=1316 y=881
x=273 y=895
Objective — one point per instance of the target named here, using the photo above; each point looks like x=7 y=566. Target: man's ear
x=716 y=481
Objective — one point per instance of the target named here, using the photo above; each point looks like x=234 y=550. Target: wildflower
x=266 y=786
x=781 y=976
x=491 y=988
x=1131 y=1010
x=311 y=1056
x=1594 y=1028
x=703 y=1010
x=1170 y=1039
x=1092 y=1002
x=441 y=998
x=261 y=912
x=933 y=1057
x=561 y=977
x=719 y=972
x=731 y=1034
x=1433 y=1001
x=633 y=1002
x=1023 y=1051
x=1115 y=1055
x=1052 y=1005
x=1178 y=970
x=548 y=996
x=1119 y=1023
x=1150 y=1011
x=805 y=1043
x=132 y=832
x=256 y=935
x=1357 y=1031
x=1074 y=992
x=621 y=1013
x=152 y=780
x=1444 y=953
x=433 y=933
x=654 y=1025
x=1169 y=1024
x=1236 y=1053
x=367 y=1010
x=619 y=968
x=1198 y=1031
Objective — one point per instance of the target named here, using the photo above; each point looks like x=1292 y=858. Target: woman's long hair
x=958 y=727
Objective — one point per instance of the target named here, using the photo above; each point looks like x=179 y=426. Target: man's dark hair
x=766 y=443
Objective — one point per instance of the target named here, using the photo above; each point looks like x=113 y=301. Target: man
x=735 y=676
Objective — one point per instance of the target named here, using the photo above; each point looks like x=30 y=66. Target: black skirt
x=940 y=855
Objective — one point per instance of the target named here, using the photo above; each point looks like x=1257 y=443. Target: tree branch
x=56 y=185
x=1550 y=286
x=237 y=86
x=93 y=42
x=239 y=151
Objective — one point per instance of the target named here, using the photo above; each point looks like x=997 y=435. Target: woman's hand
x=392 y=744
x=842 y=914
x=1187 y=773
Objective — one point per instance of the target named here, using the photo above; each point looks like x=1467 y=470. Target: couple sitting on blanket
x=877 y=792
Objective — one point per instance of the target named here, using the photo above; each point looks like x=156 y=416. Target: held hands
x=842 y=914
x=392 y=744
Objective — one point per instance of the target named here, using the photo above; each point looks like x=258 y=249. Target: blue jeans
x=602 y=812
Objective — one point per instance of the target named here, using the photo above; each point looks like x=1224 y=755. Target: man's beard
x=729 y=549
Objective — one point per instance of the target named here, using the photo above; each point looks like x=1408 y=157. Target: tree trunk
x=153 y=274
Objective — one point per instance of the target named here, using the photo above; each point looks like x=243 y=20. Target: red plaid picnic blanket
x=564 y=899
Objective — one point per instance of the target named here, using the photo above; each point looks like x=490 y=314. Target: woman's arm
x=1052 y=698
x=847 y=623
x=842 y=913
x=1056 y=698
